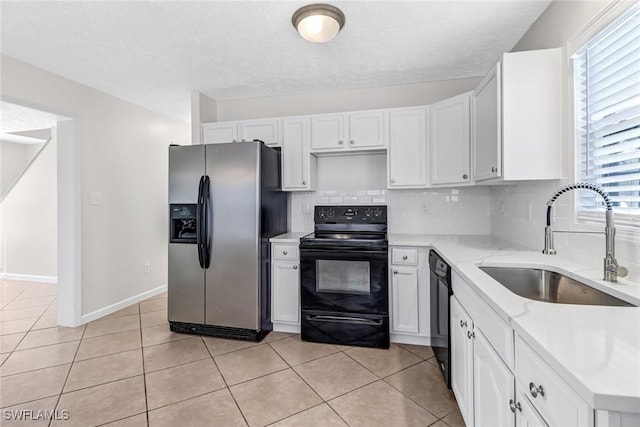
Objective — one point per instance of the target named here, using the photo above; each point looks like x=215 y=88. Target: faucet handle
x=622 y=271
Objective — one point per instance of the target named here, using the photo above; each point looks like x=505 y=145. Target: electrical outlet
x=306 y=208
x=425 y=208
x=147 y=267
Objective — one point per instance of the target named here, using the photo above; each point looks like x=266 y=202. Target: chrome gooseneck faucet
x=611 y=267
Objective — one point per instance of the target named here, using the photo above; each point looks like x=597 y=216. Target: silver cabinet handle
x=295 y=267
x=463 y=323
x=513 y=406
x=352 y=142
x=304 y=182
x=285 y=252
x=465 y=176
x=536 y=390
x=395 y=271
x=494 y=169
x=404 y=257
x=393 y=180
x=340 y=142
x=471 y=334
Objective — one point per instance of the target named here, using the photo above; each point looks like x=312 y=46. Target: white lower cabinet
x=285 y=287
x=462 y=360
x=409 y=295
x=404 y=285
x=526 y=414
x=493 y=385
x=502 y=381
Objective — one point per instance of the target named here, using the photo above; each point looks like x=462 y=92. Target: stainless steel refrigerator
x=225 y=202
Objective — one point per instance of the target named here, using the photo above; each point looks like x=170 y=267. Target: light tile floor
x=129 y=369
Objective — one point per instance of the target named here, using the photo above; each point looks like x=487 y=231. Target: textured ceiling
x=15 y=120
x=153 y=53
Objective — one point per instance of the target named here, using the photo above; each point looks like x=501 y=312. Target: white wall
x=510 y=218
x=123 y=158
x=12 y=160
x=203 y=110
x=344 y=100
x=28 y=222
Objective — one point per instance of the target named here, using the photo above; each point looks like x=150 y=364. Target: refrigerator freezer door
x=233 y=278
x=186 y=277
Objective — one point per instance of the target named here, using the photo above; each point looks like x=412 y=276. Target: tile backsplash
x=518 y=215
x=432 y=211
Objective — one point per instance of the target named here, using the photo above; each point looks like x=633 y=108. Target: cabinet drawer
x=552 y=397
x=404 y=256
x=285 y=251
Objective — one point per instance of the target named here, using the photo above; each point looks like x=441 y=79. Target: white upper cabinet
x=218 y=133
x=365 y=130
x=266 y=130
x=449 y=141
x=298 y=166
x=327 y=132
x=517 y=118
x=407 y=156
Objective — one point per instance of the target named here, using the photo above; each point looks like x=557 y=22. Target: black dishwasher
x=440 y=292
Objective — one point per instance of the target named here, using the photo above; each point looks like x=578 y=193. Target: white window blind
x=607 y=98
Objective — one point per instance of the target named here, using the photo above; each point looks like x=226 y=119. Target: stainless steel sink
x=549 y=286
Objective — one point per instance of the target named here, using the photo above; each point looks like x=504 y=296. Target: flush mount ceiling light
x=318 y=23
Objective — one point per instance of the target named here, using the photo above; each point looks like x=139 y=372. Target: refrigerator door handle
x=199 y=221
x=207 y=221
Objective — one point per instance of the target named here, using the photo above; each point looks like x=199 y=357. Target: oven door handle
x=346 y=253
x=343 y=319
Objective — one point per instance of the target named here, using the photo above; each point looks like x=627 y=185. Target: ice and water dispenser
x=184 y=223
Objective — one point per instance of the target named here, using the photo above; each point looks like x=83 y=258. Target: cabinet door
x=487 y=127
x=462 y=360
x=367 y=130
x=404 y=288
x=526 y=414
x=407 y=156
x=267 y=130
x=328 y=132
x=285 y=292
x=493 y=385
x=295 y=154
x=449 y=141
x=217 y=133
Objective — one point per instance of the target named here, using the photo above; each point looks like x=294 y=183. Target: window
x=607 y=108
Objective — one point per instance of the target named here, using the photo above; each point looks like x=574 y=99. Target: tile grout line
x=30 y=329
x=224 y=380
x=68 y=373
x=144 y=371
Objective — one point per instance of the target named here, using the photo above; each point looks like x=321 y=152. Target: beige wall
x=557 y=26
x=28 y=230
x=123 y=157
x=344 y=100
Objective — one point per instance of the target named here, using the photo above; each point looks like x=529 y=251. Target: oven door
x=344 y=280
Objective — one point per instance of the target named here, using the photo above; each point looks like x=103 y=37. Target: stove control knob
x=330 y=213
x=368 y=212
x=377 y=212
x=322 y=213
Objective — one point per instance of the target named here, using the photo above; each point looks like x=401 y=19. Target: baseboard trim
x=29 y=278
x=85 y=318
x=408 y=339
